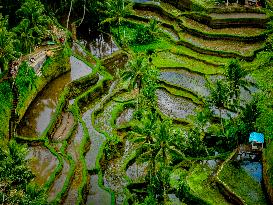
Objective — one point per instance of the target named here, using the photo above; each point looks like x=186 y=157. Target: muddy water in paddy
x=74 y=150
x=173 y=106
x=96 y=138
x=137 y=172
x=43 y=107
x=114 y=175
x=42 y=163
x=184 y=79
x=59 y=182
x=97 y=195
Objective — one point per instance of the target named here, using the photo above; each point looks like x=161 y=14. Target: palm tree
x=16 y=177
x=235 y=76
x=134 y=71
x=155 y=146
x=34 y=25
x=25 y=34
x=219 y=97
x=150 y=52
x=7 y=45
x=116 y=10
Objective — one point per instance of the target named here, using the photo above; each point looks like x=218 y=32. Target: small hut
x=257 y=140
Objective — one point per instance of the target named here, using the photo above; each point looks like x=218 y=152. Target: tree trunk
x=68 y=16
x=221 y=119
x=83 y=12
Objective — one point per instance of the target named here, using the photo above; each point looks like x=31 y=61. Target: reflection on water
x=100 y=44
x=59 y=182
x=185 y=79
x=42 y=163
x=96 y=194
x=254 y=169
x=43 y=107
x=173 y=106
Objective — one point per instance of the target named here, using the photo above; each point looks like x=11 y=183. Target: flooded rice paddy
x=43 y=107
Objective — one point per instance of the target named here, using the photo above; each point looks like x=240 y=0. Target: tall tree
x=7 y=45
x=219 y=97
x=134 y=71
x=116 y=12
x=235 y=75
x=15 y=177
x=34 y=25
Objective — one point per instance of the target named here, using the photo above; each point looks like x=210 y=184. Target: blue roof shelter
x=256 y=139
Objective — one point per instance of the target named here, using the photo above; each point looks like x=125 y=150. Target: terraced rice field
x=70 y=160
x=248 y=31
x=242 y=48
x=239 y=16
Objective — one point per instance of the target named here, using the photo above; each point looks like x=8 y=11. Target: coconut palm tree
x=116 y=10
x=235 y=75
x=25 y=35
x=34 y=25
x=134 y=71
x=7 y=45
x=155 y=144
x=219 y=97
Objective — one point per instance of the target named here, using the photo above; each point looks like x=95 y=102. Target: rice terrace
x=136 y=102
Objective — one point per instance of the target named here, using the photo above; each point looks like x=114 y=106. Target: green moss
x=268 y=154
x=159 y=44
x=200 y=183
x=242 y=184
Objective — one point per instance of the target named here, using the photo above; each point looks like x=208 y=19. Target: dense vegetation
x=168 y=146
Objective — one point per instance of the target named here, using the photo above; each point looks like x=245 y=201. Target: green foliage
x=219 y=96
x=194 y=145
x=143 y=35
x=268 y=153
x=134 y=71
x=235 y=77
x=5 y=109
x=15 y=176
x=7 y=45
x=25 y=81
x=116 y=10
x=150 y=85
x=34 y=25
x=242 y=184
x=112 y=147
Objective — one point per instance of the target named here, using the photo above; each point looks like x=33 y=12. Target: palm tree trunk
x=83 y=12
x=68 y=16
x=221 y=119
